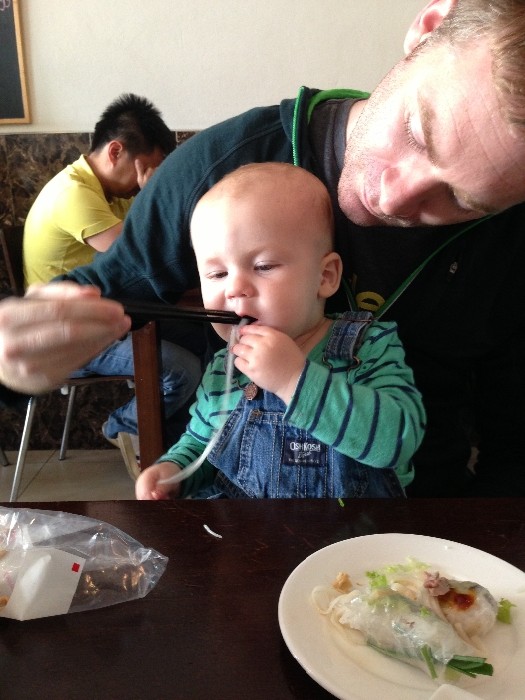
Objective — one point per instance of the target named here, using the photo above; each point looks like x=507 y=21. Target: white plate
x=368 y=675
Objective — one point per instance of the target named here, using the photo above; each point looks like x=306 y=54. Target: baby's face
x=254 y=261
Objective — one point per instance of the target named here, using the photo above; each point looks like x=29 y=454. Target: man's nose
x=406 y=190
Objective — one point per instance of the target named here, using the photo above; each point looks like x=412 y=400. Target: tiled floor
x=85 y=475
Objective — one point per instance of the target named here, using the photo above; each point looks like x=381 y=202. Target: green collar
x=321 y=96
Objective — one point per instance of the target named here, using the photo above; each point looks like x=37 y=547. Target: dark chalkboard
x=13 y=93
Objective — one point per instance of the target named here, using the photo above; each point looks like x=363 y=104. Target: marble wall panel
x=6 y=198
x=30 y=161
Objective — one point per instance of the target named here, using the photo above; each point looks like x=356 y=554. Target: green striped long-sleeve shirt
x=371 y=412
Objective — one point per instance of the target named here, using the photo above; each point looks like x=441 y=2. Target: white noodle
x=191 y=468
x=215 y=534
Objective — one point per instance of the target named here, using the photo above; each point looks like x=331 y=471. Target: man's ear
x=331 y=271
x=115 y=149
x=426 y=21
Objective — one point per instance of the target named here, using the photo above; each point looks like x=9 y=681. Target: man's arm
x=102 y=241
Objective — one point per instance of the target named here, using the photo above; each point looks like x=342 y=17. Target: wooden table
x=210 y=629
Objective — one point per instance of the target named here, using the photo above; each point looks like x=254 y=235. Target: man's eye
x=414 y=139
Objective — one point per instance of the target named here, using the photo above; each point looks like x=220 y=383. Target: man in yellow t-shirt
x=64 y=226
x=80 y=212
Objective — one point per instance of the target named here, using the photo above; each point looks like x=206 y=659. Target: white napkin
x=452 y=692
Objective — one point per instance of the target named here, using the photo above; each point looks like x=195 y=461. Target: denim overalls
x=259 y=456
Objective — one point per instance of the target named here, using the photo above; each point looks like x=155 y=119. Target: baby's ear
x=331 y=271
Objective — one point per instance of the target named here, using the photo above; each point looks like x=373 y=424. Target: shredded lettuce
x=377 y=579
x=504 y=607
x=380 y=577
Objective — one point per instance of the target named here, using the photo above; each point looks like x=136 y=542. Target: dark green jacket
x=461 y=319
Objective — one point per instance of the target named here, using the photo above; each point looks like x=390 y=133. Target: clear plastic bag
x=53 y=563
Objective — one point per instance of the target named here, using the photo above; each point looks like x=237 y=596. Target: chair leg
x=67 y=424
x=3 y=458
x=22 y=452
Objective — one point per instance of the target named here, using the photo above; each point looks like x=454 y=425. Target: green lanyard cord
x=403 y=286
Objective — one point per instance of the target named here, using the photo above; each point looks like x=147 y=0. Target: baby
x=320 y=406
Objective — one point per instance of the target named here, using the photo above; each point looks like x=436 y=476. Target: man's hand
x=143 y=174
x=55 y=329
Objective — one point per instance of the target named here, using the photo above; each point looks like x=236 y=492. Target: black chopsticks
x=158 y=311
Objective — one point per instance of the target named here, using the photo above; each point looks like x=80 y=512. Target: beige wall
x=200 y=61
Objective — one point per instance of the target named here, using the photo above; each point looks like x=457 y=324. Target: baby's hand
x=269 y=358
x=147 y=487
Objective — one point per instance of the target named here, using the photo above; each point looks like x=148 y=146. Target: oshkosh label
x=303 y=453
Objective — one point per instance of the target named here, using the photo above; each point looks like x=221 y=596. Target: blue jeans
x=180 y=373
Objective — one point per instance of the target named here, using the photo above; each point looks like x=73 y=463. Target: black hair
x=137 y=123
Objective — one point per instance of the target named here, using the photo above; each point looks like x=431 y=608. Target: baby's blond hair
x=307 y=190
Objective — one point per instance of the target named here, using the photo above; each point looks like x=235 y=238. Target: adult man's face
x=430 y=146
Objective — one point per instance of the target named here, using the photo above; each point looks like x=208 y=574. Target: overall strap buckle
x=347 y=335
